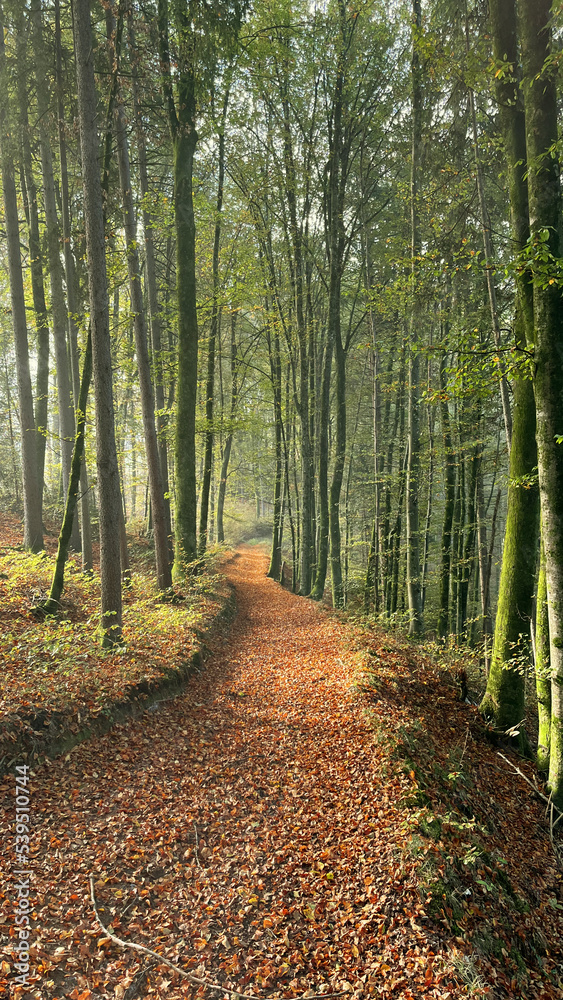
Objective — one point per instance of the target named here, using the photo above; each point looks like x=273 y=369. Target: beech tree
x=108 y=471
x=160 y=522
x=540 y=97
x=504 y=698
x=182 y=120
x=32 y=482
x=413 y=474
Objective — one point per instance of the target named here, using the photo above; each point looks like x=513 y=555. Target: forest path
x=244 y=828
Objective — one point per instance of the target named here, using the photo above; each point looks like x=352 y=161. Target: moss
x=555 y=782
x=417 y=800
x=430 y=826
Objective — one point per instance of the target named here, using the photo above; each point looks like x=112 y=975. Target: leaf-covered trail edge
x=250 y=829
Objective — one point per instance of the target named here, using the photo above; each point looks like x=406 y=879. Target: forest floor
x=57 y=682
x=316 y=812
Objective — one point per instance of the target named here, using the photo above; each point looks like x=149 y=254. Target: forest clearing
x=317 y=812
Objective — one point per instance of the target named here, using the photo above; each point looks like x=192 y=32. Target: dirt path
x=296 y=880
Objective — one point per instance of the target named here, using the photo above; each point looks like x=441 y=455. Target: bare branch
x=176 y=968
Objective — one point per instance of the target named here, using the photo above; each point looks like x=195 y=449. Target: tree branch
x=176 y=968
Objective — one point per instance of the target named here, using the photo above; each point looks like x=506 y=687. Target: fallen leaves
x=258 y=831
x=56 y=680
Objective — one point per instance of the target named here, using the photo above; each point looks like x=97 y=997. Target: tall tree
x=58 y=302
x=503 y=701
x=540 y=97
x=182 y=120
x=159 y=520
x=106 y=455
x=32 y=487
x=339 y=152
x=155 y=312
x=70 y=282
x=214 y=326
x=414 y=590
x=29 y=192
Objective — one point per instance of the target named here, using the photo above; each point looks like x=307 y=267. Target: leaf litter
x=285 y=828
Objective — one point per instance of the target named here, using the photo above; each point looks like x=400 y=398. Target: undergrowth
x=54 y=665
x=466 y=825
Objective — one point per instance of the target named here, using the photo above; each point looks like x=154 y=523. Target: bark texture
x=540 y=95
x=106 y=456
x=32 y=498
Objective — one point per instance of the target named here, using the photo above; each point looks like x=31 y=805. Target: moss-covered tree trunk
x=503 y=702
x=52 y=603
x=540 y=96
x=543 y=669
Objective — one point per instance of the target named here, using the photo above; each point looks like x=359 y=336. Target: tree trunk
x=322 y=558
x=543 y=668
x=108 y=473
x=32 y=488
x=229 y=439
x=428 y=520
x=338 y=470
x=152 y=290
x=52 y=605
x=213 y=334
x=85 y=525
x=486 y=624
x=540 y=96
x=414 y=591
x=335 y=235
x=489 y=259
x=504 y=698
x=303 y=401
x=274 y=569
x=29 y=194
x=503 y=702
x=160 y=525
x=184 y=140
x=469 y=544
x=58 y=304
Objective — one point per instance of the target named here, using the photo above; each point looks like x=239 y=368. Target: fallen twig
x=196 y=847
x=176 y=968
x=133 y=988
x=528 y=780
